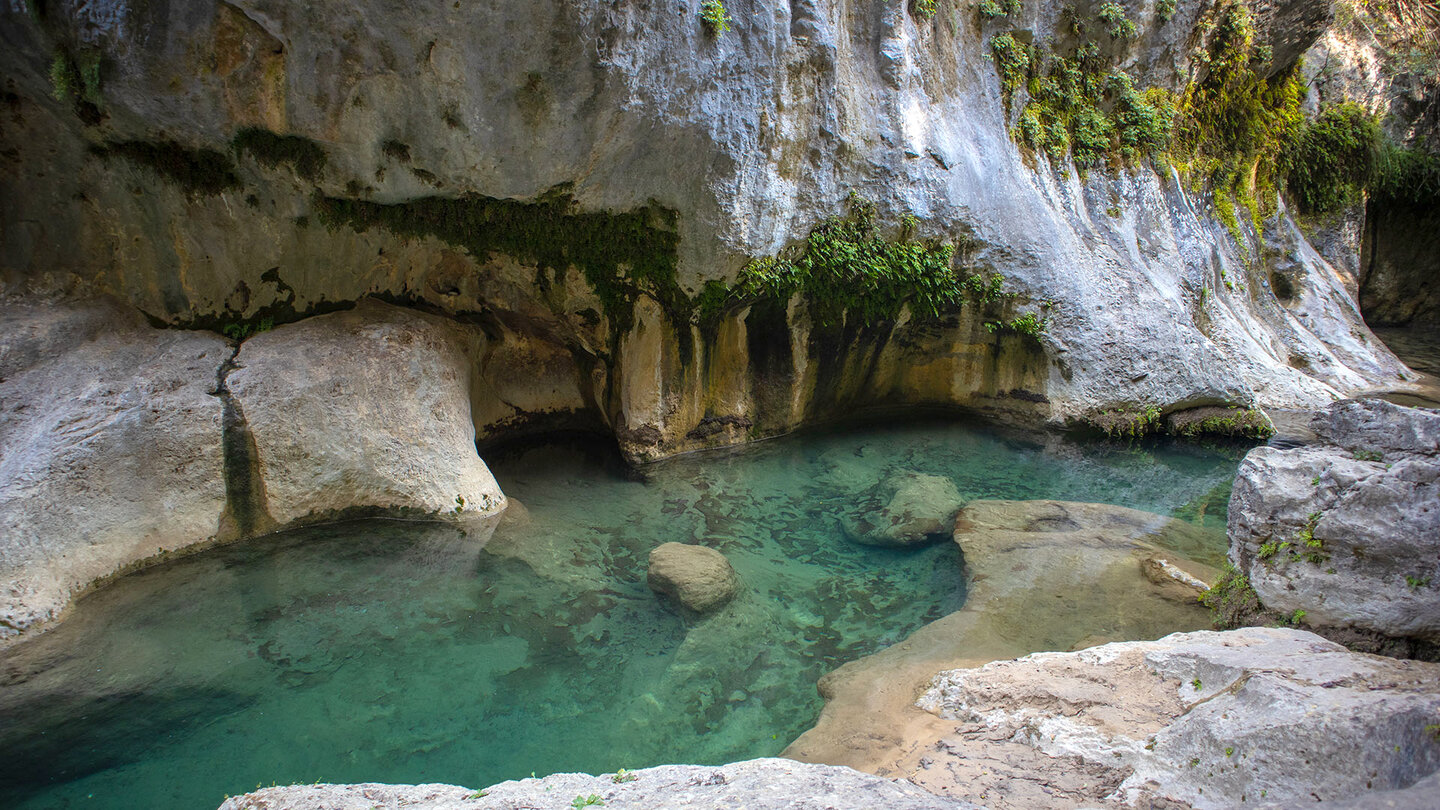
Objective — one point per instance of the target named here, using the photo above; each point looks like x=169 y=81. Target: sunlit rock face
x=633 y=156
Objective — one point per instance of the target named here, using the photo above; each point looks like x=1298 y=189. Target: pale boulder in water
x=699 y=578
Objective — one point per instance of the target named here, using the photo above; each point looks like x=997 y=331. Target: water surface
x=402 y=652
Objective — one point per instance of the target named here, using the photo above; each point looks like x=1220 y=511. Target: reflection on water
x=402 y=652
x=1418 y=348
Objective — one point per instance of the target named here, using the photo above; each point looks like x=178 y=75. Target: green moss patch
x=307 y=157
x=197 y=171
x=621 y=255
x=850 y=272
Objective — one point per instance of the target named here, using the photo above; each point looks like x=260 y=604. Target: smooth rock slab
x=1041 y=575
x=698 y=577
x=1348 y=529
x=110 y=449
x=367 y=408
x=1258 y=716
x=757 y=784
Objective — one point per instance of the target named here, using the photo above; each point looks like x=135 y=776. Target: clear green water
x=401 y=652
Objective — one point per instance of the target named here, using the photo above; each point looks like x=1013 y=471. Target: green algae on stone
x=621 y=254
x=196 y=171
x=306 y=156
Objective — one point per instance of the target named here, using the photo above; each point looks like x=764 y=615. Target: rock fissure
x=247 y=511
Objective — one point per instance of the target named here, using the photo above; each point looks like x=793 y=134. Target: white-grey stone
x=1348 y=529
x=364 y=408
x=110 y=448
x=758 y=784
x=1252 y=717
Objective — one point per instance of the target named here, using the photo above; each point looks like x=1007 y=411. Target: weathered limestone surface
x=1347 y=530
x=1041 y=575
x=120 y=442
x=364 y=408
x=698 y=577
x=748 y=139
x=1258 y=716
x=759 y=784
x=110 y=449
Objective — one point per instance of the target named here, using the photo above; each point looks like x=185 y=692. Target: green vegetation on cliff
x=196 y=171
x=847 y=269
x=307 y=157
x=620 y=254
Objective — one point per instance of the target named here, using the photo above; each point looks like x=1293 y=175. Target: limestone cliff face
x=583 y=124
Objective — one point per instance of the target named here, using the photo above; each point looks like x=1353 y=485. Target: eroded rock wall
x=708 y=150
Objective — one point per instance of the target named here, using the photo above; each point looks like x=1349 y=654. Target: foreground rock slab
x=1042 y=575
x=110 y=449
x=1347 y=530
x=367 y=408
x=1259 y=716
x=754 y=784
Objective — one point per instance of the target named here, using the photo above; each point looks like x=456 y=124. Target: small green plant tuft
x=1112 y=16
x=1295 y=619
x=925 y=9
x=1196 y=683
x=623 y=775
x=586 y=801
x=1165 y=10
x=1417 y=582
x=1012 y=60
x=714 y=17
x=1369 y=455
x=1232 y=601
x=240 y=330
x=1314 y=547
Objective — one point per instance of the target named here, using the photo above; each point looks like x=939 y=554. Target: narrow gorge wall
x=567 y=177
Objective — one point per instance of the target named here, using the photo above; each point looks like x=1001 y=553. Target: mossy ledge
x=196 y=171
x=307 y=157
x=621 y=254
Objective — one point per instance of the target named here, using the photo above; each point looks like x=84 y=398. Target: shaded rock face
x=110 y=449
x=697 y=577
x=1041 y=575
x=1207 y=720
x=120 y=442
x=921 y=509
x=1347 y=530
x=1400 y=265
x=756 y=783
x=634 y=122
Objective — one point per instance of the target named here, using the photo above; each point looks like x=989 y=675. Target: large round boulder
x=697 y=577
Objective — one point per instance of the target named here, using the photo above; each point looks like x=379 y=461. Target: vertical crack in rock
x=247 y=512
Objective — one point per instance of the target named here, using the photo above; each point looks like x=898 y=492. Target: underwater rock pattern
x=110 y=449
x=1207 y=720
x=1041 y=575
x=921 y=510
x=1347 y=531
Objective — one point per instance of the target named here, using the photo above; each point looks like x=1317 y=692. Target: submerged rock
x=1345 y=534
x=367 y=408
x=921 y=509
x=110 y=449
x=1042 y=575
x=697 y=577
x=757 y=784
x=1206 y=720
